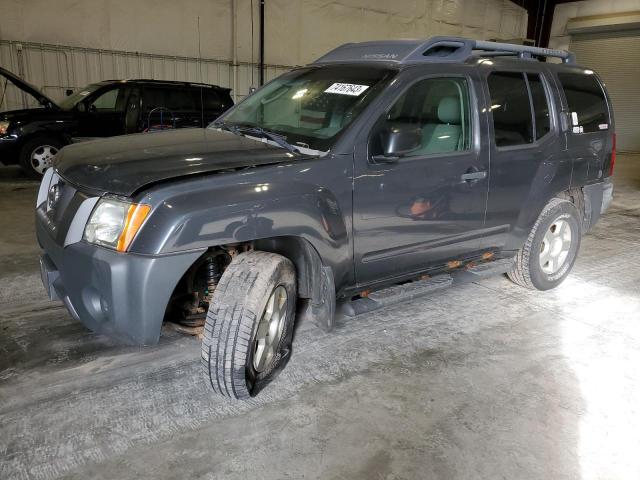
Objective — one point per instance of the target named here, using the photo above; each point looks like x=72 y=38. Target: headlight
x=4 y=126
x=114 y=223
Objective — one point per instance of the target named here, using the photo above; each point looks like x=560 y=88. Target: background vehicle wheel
x=247 y=335
x=547 y=256
x=37 y=155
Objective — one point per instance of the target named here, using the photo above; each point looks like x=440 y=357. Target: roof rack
x=436 y=49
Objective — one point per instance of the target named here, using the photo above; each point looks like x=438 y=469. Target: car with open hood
x=33 y=136
x=382 y=171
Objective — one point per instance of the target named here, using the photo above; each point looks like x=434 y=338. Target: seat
x=446 y=135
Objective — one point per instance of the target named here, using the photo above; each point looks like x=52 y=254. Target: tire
x=37 y=155
x=540 y=263
x=234 y=361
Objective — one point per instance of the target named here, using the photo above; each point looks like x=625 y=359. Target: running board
x=420 y=288
x=392 y=295
x=482 y=270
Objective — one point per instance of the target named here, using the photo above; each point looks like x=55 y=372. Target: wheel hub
x=270 y=329
x=42 y=157
x=555 y=247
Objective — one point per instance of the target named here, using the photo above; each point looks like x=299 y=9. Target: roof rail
x=525 y=51
x=436 y=49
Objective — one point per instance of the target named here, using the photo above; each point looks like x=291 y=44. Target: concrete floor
x=483 y=381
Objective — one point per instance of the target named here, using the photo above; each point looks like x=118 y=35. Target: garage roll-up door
x=616 y=58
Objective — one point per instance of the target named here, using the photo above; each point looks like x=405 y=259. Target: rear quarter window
x=585 y=98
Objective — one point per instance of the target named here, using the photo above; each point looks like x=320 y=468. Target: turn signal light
x=135 y=217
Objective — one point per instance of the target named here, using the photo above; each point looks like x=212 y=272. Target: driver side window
x=108 y=101
x=432 y=117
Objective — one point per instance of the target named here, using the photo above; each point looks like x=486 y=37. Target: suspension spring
x=213 y=276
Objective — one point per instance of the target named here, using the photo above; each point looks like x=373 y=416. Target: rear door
x=428 y=206
x=590 y=126
x=166 y=107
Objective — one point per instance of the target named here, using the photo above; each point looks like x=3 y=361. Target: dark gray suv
x=382 y=171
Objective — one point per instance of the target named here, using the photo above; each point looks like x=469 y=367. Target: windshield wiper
x=257 y=131
x=274 y=137
x=229 y=127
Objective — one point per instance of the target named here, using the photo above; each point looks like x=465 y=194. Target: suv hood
x=28 y=88
x=124 y=165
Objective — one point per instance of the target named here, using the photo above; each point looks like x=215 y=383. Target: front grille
x=59 y=202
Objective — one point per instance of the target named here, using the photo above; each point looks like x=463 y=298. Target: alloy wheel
x=270 y=329
x=555 y=247
x=42 y=157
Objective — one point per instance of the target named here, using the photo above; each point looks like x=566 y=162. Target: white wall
x=566 y=11
x=296 y=32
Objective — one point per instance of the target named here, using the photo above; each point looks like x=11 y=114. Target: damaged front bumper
x=121 y=295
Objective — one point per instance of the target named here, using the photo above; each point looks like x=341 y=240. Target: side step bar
x=420 y=288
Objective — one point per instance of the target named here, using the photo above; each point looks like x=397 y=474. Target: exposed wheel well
x=192 y=293
x=576 y=196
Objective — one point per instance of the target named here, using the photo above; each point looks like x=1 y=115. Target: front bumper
x=9 y=149
x=121 y=295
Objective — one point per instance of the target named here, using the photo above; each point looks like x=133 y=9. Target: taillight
x=612 y=163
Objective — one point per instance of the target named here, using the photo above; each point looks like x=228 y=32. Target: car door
x=528 y=156
x=428 y=206
x=102 y=114
x=588 y=135
x=167 y=107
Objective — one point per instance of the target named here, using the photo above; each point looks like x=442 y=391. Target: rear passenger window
x=173 y=99
x=511 y=109
x=586 y=99
x=211 y=100
x=540 y=105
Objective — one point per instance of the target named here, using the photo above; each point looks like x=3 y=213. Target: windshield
x=310 y=106
x=69 y=102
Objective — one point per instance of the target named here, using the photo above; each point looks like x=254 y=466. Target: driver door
x=103 y=114
x=427 y=205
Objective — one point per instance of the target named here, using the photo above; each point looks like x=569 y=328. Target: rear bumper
x=597 y=198
x=121 y=295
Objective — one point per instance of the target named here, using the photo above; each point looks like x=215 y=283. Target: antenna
x=201 y=81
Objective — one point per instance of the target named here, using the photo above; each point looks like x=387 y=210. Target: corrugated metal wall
x=67 y=43
x=55 y=68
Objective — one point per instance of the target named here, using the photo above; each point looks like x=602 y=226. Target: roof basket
x=436 y=49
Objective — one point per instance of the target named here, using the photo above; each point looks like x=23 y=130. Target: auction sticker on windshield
x=346 y=89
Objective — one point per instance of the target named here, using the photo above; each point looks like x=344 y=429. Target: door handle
x=473 y=176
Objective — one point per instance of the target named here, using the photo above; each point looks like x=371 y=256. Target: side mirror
x=399 y=140
x=81 y=107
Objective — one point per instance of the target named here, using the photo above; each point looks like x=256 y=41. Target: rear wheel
x=546 y=258
x=37 y=155
x=247 y=335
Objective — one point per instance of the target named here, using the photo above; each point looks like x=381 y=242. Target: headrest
x=449 y=110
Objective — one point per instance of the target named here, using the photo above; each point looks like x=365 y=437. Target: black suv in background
x=32 y=136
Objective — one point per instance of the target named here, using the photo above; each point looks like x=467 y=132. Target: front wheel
x=249 y=326
x=546 y=258
x=37 y=155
